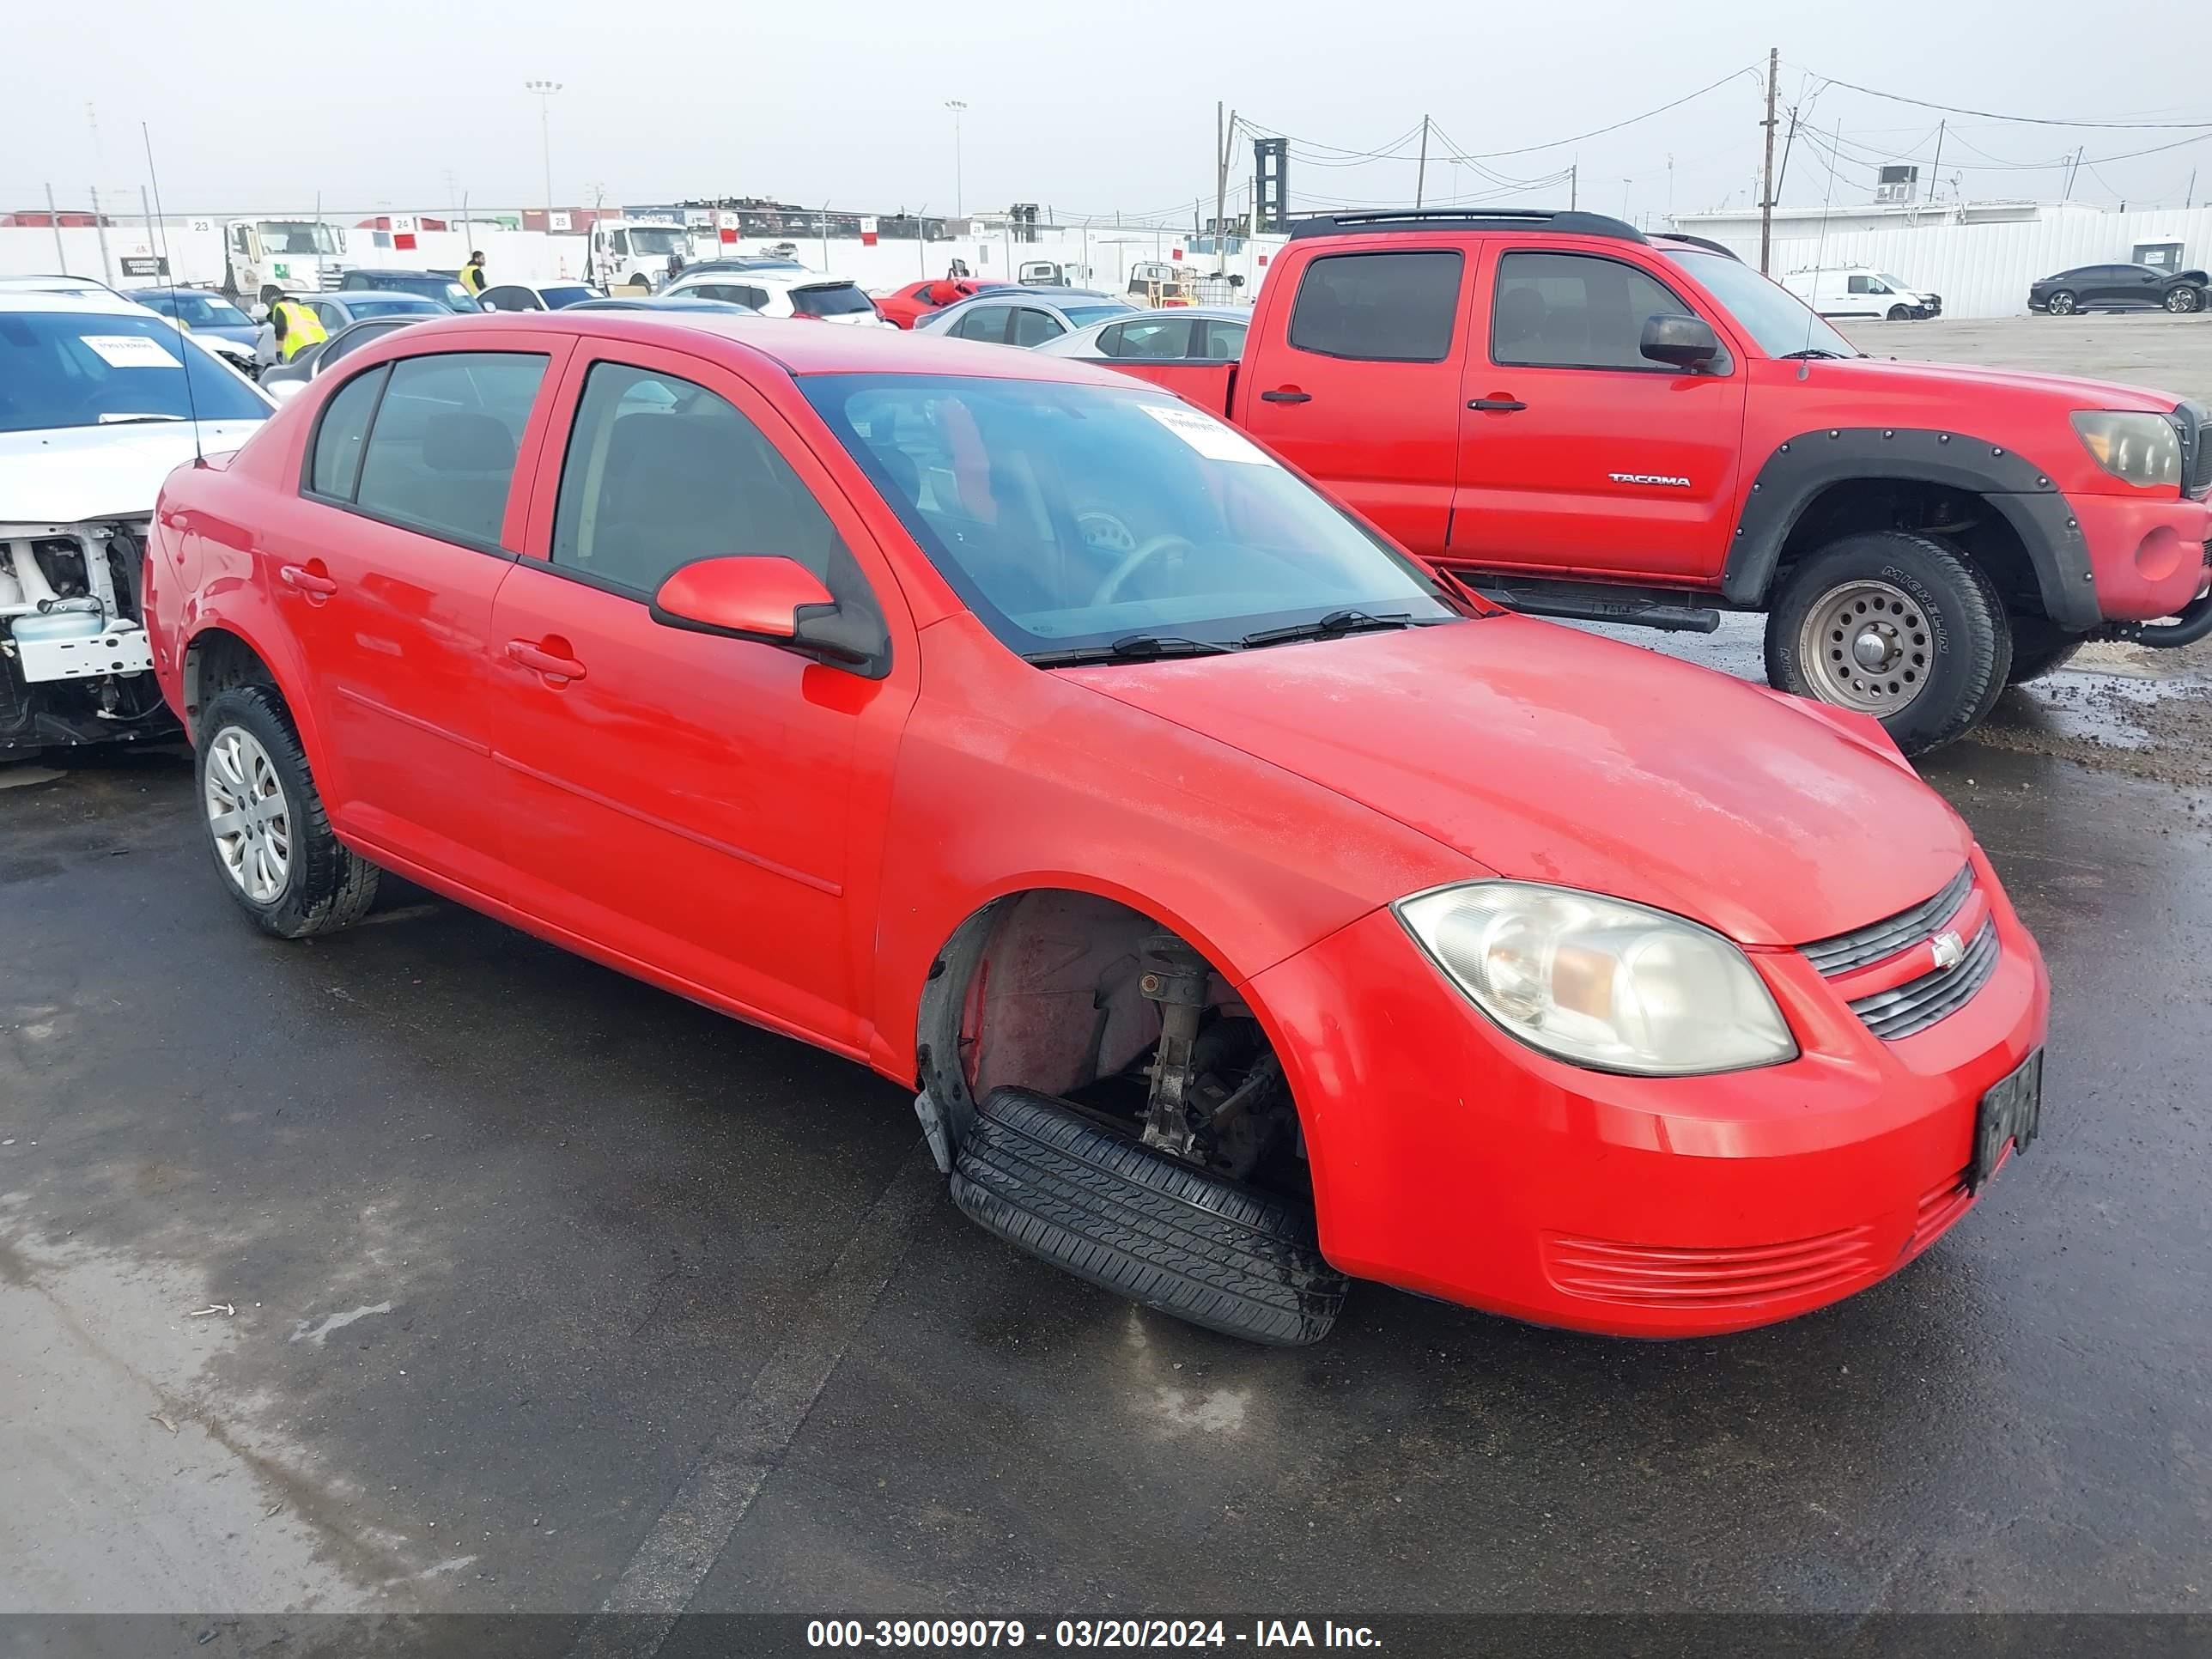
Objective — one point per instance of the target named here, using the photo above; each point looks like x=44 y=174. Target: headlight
x=1600 y=982
x=2140 y=448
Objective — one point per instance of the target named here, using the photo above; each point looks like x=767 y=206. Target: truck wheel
x=2060 y=304
x=1142 y=1224
x=267 y=832
x=1899 y=626
x=2039 y=648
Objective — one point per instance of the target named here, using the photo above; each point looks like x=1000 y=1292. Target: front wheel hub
x=1866 y=645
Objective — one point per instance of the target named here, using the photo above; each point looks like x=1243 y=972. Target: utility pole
x=1421 y=178
x=1766 y=188
x=2189 y=200
x=2072 y=167
x=61 y=255
x=545 y=91
x=959 y=188
x=1223 y=130
x=99 y=229
x=1935 y=173
x=1574 y=182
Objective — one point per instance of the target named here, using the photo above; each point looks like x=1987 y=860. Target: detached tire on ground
x=1145 y=1226
x=267 y=832
x=1894 y=624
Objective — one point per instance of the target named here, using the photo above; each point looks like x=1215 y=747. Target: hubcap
x=246 y=815
x=1865 y=646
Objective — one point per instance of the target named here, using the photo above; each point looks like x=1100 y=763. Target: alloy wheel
x=1864 y=645
x=247 y=817
x=2061 y=305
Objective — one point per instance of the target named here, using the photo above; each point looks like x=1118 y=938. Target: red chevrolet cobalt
x=1248 y=909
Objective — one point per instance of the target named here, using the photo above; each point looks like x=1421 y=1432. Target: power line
x=2020 y=120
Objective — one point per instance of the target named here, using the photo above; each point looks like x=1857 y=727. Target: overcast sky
x=1092 y=109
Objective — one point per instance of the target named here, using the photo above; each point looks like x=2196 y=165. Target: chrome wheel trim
x=248 y=818
x=1866 y=645
x=2061 y=305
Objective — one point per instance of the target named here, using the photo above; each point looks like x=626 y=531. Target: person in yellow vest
x=295 y=326
x=472 y=274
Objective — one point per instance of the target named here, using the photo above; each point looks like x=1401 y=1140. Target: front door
x=1364 y=395
x=1578 y=455
x=386 y=573
x=700 y=808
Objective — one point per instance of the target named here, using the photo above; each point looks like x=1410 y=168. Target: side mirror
x=771 y=601
x=1687 y=343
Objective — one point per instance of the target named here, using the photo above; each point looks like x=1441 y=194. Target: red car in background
x=1245 y=906
x=917 y=300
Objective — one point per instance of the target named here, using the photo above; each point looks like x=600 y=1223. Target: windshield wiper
x=1820 y=352
x=1336 y=622
x=1130 y=648
x=132 y=420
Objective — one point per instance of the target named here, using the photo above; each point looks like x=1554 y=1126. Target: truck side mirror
x=1687 y=343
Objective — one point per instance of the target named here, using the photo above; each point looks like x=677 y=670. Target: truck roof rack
x=1414 y=219
x=1704 y=242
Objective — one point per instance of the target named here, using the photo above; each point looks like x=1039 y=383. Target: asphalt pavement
x=428 y=1269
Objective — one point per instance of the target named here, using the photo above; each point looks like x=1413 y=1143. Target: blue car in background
x=201 y=310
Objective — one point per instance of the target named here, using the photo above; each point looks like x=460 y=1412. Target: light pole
x=545 y=91
x=958 y=208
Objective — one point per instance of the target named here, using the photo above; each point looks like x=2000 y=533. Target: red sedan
x=917 y=300
x=1247 y=906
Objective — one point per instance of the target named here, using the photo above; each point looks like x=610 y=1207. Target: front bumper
x=2146 y=552
x=1449 y=1159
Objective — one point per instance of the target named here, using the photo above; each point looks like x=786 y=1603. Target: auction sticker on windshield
x=1207 y=435
x=130 y=351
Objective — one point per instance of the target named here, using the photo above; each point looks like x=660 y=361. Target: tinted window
x=832 y=299
x=1574 y=311
x=984 y=323
x=1035 y=327
x=1219 y=342
x=1862 y=285
x=354 y=338
x=1378 y=308
x=393 y=305
x=1149 y=336
x=338 y=435
x=441 y=454
x=507 y=298
x=94 y=368
x=567 y=295
x=660 y=472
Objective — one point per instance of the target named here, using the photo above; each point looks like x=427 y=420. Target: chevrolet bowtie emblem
x=1947 y=947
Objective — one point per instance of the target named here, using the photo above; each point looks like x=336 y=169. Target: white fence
x=1984 y=269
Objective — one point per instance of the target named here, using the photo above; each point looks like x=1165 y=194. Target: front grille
x=2189 y=419
x=1919 y=1003
x=1727 y=1276
x=1878 y=939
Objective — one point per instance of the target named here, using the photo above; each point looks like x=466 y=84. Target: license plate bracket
x=2010 y=1114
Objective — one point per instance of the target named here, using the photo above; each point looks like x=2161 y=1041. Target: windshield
x=1070 y=516
x=205 y=311
x=1783 y=324
x=1894 y=284
x=659 y=238
x=831 y=299
x=556 y=298
x=297 y=236
x=94 y=368
x=393 y=305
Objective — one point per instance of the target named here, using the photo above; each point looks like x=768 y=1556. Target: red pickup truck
x=1582 y=420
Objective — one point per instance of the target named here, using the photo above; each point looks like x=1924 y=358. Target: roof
x=1563 y=222
x=95 y=301
x=796 y=346
x=1016 y=292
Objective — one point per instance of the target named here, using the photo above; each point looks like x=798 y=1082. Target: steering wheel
x=1146 y=552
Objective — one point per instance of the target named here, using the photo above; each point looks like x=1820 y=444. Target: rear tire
x=1143 y=1224
x=1900 y=626
x=268 y=834
x=2038 y=649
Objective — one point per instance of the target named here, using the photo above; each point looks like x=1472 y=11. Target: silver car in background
x=1178 y=334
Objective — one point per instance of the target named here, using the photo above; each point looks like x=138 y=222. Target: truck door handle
x=1498 y=406
x=313 y=583
x=1286 y=395
x=549 y=663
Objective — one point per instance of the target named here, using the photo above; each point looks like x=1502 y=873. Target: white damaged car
x=99 y=400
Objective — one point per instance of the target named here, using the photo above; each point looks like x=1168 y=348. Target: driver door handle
x=313 y=583
x=1286 y=395
x=530 y=656
x=1498 y=406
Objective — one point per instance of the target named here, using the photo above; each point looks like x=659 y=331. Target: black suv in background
x=2117 y=287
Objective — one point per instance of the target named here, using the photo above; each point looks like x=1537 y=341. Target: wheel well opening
x=1969 y=521
x=1052 y=990
x=218 y=661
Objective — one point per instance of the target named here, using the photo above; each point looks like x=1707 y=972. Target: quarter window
x=984 y=323
x=441 y=456
x=1166 y=337
x=339 y=434
x=1379 y=308
x=661 y=471
x=1033 y=327
x=1574 y=311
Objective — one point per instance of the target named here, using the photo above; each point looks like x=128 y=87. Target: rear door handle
x=313 y=583
x=1286 y=396
x=1498 y=406
x=544 y=662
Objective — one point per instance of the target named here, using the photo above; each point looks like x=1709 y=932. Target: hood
x=1884 y=377
x=71 y=474
x=1554 y=756
x=241 y=333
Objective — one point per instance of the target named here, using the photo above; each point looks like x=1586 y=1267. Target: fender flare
x=1801 y=467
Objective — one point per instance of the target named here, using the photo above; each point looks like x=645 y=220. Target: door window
x=921 y=295
x=441 y=456
x=1574 y=311
x=1379 y=308
x=335 y=463
x=1150 y=337
x=661 y=471
x=1861 y=285
x=984 y=323
x=1219 y=342
x=1033 y=327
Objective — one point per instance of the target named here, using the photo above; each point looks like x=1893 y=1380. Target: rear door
x=1362 y=389
x=1579 y=455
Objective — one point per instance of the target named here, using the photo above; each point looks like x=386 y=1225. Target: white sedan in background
x=784 y=292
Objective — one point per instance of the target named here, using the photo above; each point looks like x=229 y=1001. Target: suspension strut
x=1174 y=977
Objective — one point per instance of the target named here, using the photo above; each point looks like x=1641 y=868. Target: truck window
x=1378 y=308
x=1574 y=311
